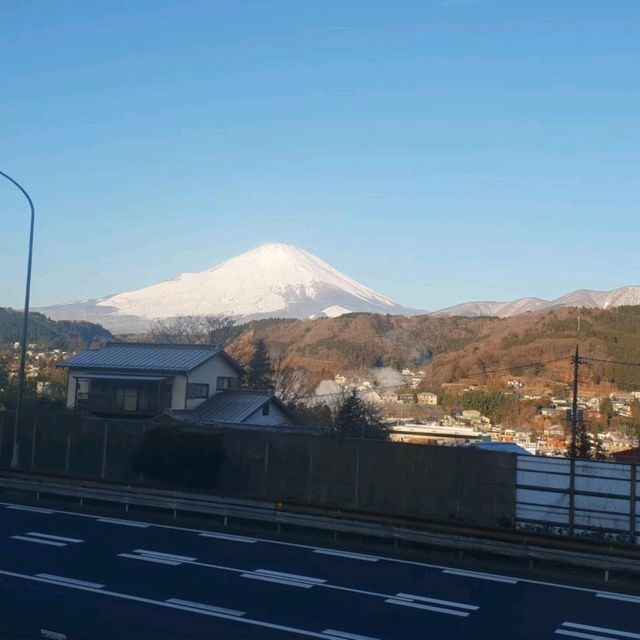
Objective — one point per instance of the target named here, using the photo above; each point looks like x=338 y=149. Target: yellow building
x=427 y=397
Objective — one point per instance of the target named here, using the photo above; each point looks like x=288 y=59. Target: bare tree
x=292 y=385
x=192 y=330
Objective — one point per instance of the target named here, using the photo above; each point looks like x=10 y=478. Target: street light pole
x=25 y=324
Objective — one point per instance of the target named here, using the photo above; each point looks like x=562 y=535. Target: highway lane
x=96 y=577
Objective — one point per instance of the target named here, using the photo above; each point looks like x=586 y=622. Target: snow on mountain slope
x=599 y=299
x=579 y=298
x=273 y=280
x=490 y=308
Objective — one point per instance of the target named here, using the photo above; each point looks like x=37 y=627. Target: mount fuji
x=273 y=280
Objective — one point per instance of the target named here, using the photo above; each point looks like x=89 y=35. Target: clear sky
x=439 y=151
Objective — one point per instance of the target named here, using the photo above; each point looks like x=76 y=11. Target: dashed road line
x=427 y=607
x=135 y=556
x=589 y=632
x=164 y=556
x=288 y=583
x=290 y=576
x=481 y=576
x=170 y=605
x=228 y=536
x=450 y=603
x=124 y=523
x=49 y=536
x=51 y=543
x=346 y=554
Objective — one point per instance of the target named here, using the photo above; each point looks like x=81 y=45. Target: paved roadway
x=93 y=577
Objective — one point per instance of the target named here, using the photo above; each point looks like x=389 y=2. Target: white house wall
x=276 y=416
x=208 y=373
x=179 y=392
x=71 y=389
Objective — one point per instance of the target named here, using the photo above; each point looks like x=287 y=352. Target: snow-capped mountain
x=273 y=280
x=580 y=298
x=489 y=308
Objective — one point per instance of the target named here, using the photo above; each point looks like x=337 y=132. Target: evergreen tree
x=260 y=373
x=356 y=418
x=587 y=446
x=606 y=410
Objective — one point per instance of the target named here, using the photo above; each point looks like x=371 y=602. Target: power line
x=626 y=364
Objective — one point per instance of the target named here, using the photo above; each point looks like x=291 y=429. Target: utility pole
x=25 y=324
x=574 y=404
x=574 y=442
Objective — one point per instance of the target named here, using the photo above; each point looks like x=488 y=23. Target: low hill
x=461 y=349
x=63 y=334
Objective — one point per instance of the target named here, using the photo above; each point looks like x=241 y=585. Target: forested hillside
x=460 y=349
x=62 y=334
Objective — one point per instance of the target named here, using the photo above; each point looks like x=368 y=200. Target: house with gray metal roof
x=145 y=379
x=239 y=406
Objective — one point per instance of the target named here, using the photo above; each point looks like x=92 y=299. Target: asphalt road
x=83 y=576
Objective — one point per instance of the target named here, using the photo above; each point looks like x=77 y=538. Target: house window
x=197 y=391
x=226 y=383
x=265 y=409
x=126 y=399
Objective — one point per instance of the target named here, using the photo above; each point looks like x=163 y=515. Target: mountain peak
x=271 y=280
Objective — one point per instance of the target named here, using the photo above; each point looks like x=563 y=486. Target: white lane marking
x=171 y=605
x=290 y=576
x=19 y=507
x=289 y=583
x=228 y=536
x=39 y=541
x=71 y=581
x=428 y=607
x=125 y=523
x=52 y=537
x=333 y=633
x=53 y=635
x=413 y=563
x=164 y=556
x=206 y=607
x=450 y=603
x=578 y=634
x=619 y=596
x=346 y=554
x=615 y=632
x=133 y=556
x=481 y=576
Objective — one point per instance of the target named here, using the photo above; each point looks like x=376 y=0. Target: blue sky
x=437 y=150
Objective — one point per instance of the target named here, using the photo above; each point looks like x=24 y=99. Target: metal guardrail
x=278 y=514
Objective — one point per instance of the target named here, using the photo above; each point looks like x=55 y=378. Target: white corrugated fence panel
x=543 y=465
x=603 y=485
x=546 y=480
x=602 y=504
x=602 y=520
x=543 y=513
x=603 y=469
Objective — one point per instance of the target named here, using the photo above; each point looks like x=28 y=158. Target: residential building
x=144 y=379
x=428 y=398
x=240 y=406
x=406 y=398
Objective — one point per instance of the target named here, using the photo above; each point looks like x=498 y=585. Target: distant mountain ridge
x=55 y=335
x=624 y=296
x=273 y=280
x=282 y=281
